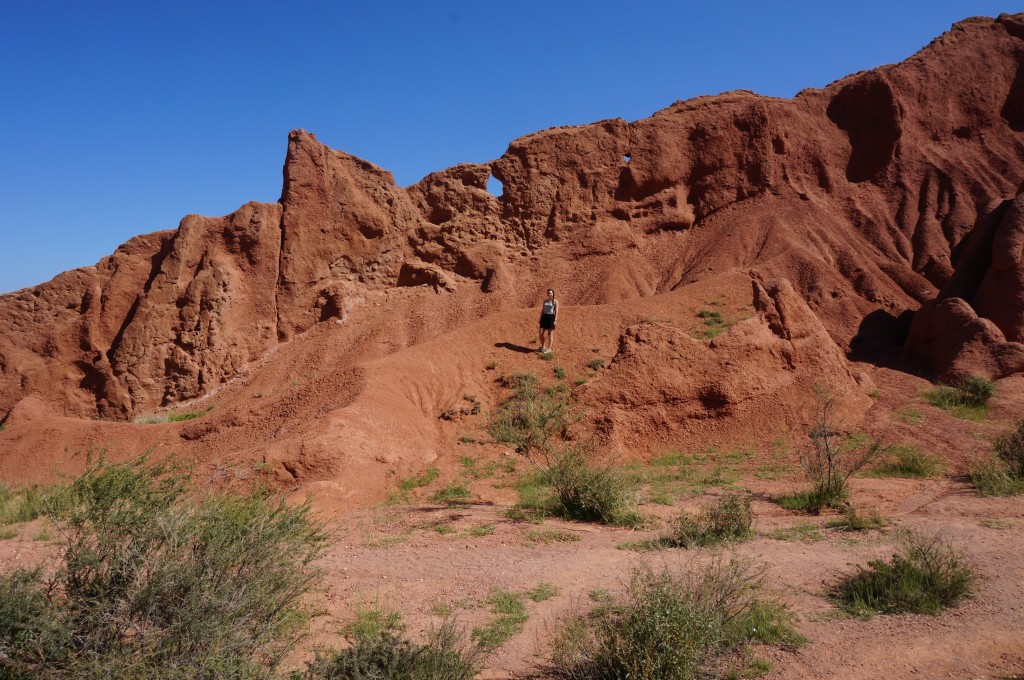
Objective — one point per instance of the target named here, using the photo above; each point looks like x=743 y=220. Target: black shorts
x=547 y=322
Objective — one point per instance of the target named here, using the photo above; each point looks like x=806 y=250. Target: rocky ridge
x=888 y=191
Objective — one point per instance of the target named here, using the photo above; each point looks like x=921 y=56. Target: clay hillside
x=725 y=269
x=355 y=330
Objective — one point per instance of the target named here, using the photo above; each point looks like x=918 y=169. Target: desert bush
x=967 y=398
x=672 y=625
x=389 y=655
x=153 y=583
x=728 y=518
x=1009 y=448
x=453 y=492
x=975 y=390
x=908 y=461
x=23 y=504
x=833 y=457
x=1002 y=474
x=852 y=520
x=588 y=492
x=531 y=417
x=925 y=576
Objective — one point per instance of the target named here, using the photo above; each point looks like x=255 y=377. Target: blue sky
x=119 y=118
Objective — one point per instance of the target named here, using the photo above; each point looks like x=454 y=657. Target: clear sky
x=119 y=118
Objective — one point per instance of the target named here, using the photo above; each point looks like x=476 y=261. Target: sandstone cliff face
x=862 y=194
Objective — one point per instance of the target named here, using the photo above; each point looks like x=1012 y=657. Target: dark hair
x=551 y=290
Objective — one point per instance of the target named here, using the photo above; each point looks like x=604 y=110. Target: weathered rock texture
x=764 y=373
x=863 y=195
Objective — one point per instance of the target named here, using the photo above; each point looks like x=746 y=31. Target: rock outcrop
x=761 y=375
x=863 y=194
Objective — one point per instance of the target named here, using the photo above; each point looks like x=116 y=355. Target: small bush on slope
x=1003 y=473
x=832 y=458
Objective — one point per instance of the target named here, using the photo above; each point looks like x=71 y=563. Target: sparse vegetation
x=559 y=372
x=673 y=625
x=418 y=481
x=908 y=461
x=370 y=623
x=184 y=415
x=1009 y=448
x=491 y=365
x=967 y=398
x=549 y=536
x=831 y=459
x=23 y=504
x=531 y=417
x=804 y=532
x=509 y=616
x=588 y=492
x=543 y=591
x=727 y=518
x=1002 y=474
x=852 y=520
x=925 y=576
x=910 y=416
x=453 y=492
x=152 y=581
x=481 y=530
x=715 y=324
x=445 y=656
x=596 y=364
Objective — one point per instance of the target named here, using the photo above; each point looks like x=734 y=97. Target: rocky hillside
x=883 y=209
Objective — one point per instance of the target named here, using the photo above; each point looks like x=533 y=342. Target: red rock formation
x=759 y=376
x=862 y=194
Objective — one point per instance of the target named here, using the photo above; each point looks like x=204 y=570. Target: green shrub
x=908 y=461
x=587 y=492
x=672 y=625
x=187 y=415
x=833 y=457
x=976 y=390
x=1002 y=474
x=153 y=583
x=925 y=576
x=596 y=364
x=510 y=615
x=23 y=504
x=992 y=477
x=559 y=372
x=728 y=518
x=531 y=416
x=966 y=399
x=856 y=521
x=372 y=622
x=389 y=655
x=452 y=492
x=420 y=480
x=543 y=591
x=1009 y=447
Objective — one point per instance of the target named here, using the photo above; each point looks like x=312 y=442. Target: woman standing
x=548 y=321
